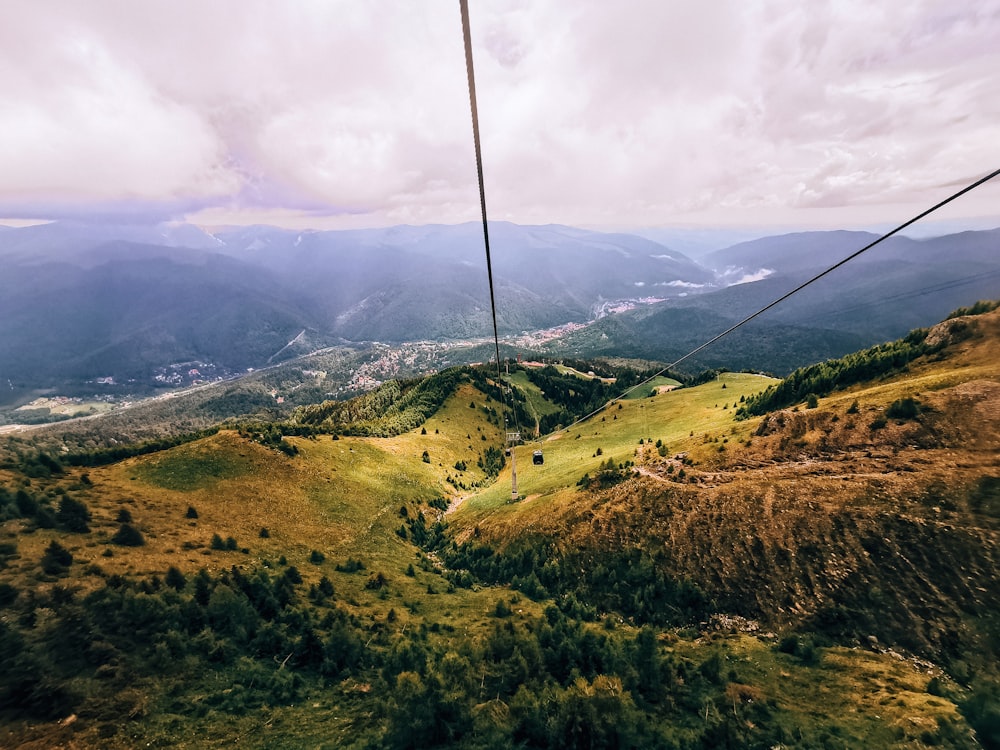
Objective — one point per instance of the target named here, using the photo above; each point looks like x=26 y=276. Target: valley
x=124 y=312
x=660 y=410
x=354 y=574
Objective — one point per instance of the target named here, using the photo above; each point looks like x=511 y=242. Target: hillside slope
x=841 y=519
x=672 y=578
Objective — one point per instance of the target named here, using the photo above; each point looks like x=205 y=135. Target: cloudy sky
x=355 y=113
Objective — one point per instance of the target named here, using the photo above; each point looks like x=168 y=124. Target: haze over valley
x=123 y=311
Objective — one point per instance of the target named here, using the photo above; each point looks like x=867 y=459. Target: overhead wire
x=470 y=73
x=467 y=37
x=912 y=294
x=782 y=298
x=505 y=407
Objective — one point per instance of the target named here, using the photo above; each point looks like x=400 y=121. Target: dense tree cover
x=633 y=581
x=859 y=367
x=624 y=377
x=390 y=409
x=240 y=640
x=576 y=395
x=33 y=463
x=53 y=508
x=826 y=377
x=104 y=456
x=241 y=401
x=978 y=308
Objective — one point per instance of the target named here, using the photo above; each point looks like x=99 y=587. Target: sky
x=645 y=113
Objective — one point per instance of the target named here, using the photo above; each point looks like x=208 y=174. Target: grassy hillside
x=674 y=577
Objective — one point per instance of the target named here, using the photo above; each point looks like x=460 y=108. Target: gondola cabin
x=537 y=458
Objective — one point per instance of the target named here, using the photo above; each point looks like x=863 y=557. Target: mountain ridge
x=414 y=283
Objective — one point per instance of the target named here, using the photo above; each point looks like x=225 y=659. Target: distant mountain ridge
x=80 y=301
x=899 y=285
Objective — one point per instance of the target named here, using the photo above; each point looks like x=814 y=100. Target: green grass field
x=656 y=385
x=670 y=417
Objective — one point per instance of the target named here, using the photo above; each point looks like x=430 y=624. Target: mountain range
x=86 y=301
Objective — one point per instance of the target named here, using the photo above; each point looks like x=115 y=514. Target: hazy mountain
x=814 y=251
x=697 y=242
x=565 y=271
x=84 y=301
x=788 y=252
x=899 y=285
x=80 y=301
x=73 y=241
x=125 y=317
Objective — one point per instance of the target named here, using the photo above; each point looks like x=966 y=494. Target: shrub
x=73 y=515
x=56 y=559
x=128 y=536
x=8 y=594
x=934 y=687
x=376 y=581
x=191 y=512
x=27 y=506
x=174 y=578
x=904 y=408
x=316 y=557
x=351 y=566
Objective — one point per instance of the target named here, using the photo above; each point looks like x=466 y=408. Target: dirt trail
x=456 y=503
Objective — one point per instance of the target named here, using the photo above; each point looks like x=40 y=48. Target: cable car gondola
x=537 y=458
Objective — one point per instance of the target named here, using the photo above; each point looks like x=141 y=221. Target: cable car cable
x=800 y=287
x=508 y=436
x=467 y=36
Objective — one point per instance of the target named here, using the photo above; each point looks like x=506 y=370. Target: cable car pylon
x=513 y=438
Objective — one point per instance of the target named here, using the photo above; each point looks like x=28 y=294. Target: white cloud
x=764 y=111
x=682 y=284
x=746 y=278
